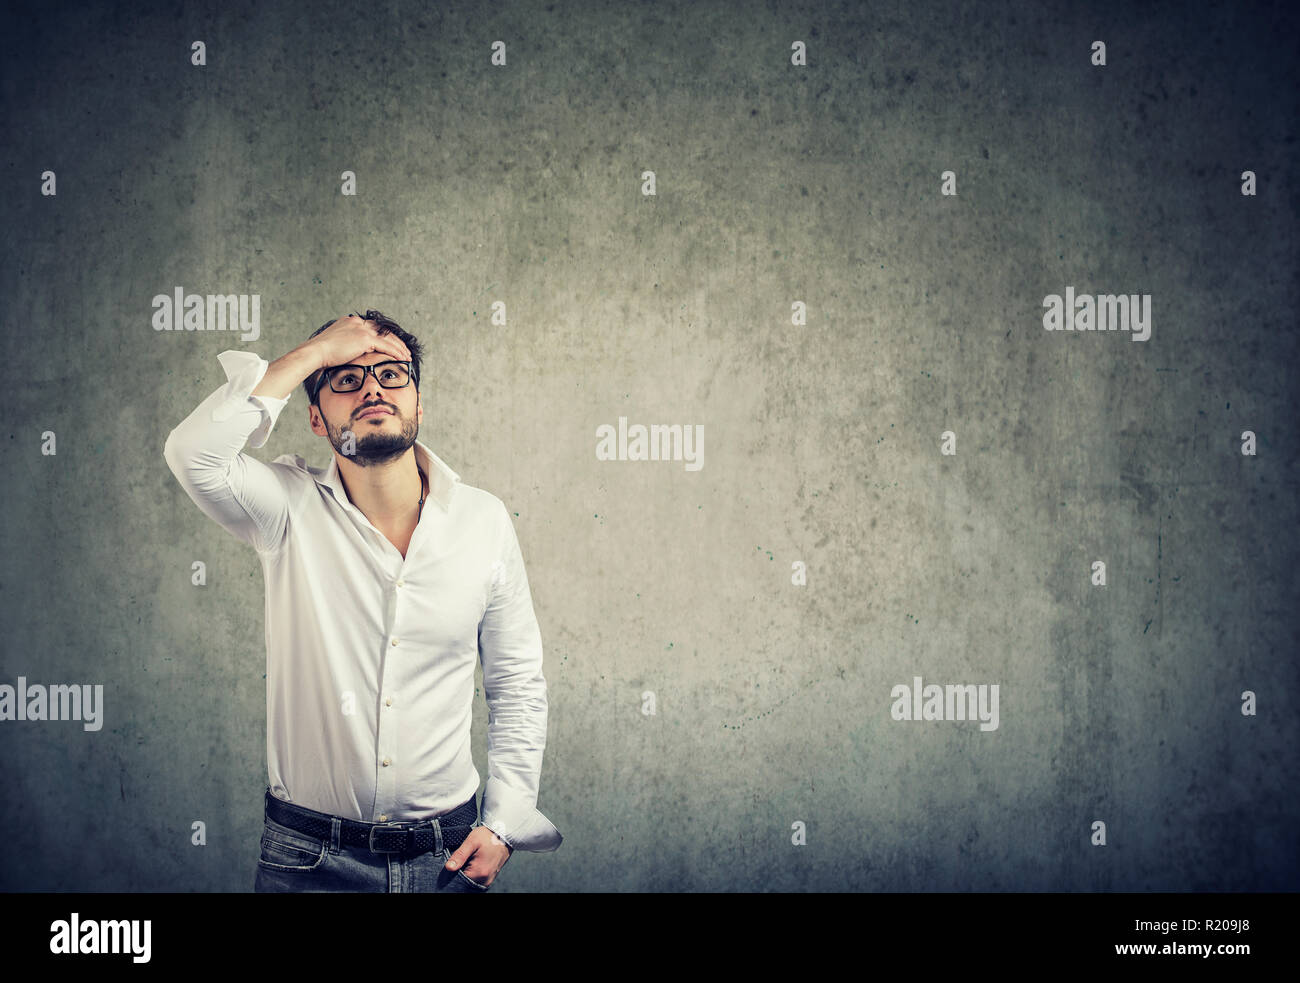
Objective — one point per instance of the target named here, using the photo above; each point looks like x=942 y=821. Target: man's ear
x=315 y=421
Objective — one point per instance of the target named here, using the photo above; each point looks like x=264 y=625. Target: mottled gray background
x=775 y=184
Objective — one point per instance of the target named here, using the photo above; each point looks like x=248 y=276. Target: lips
x=372 y=411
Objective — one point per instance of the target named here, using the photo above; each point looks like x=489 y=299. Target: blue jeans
x=291 y=861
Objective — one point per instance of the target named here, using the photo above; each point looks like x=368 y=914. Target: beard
x=376 y=447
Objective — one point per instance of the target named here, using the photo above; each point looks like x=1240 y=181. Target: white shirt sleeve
x=205 y=454
x=510 y=648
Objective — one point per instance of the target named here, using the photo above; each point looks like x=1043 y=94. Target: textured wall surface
x=775 y=184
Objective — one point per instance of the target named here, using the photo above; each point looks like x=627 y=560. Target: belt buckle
x=402 y=829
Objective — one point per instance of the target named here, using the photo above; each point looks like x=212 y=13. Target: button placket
x=386 y=779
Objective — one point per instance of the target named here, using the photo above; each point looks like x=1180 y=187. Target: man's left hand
x=481 y=856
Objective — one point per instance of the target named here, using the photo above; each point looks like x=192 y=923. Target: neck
x=385 y=493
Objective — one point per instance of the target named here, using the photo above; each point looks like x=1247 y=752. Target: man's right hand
x=351 y=337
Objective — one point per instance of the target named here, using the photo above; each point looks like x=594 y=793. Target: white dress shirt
x=369 y=656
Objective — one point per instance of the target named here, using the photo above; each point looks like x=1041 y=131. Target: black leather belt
x=395 y=837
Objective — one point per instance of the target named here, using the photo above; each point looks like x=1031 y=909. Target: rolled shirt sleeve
x=204 y=453
x=244 y=370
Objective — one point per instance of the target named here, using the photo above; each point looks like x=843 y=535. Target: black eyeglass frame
x=328 y=375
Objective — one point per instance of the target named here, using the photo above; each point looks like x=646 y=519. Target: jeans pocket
x=462 y=879
x=287 y=849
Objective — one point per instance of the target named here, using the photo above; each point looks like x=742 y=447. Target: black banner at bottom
x=915 y=932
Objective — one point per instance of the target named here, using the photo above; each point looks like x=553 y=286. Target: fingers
x=385 y=347
x=395 y=348
x=380 y=339
x=459 y=856
x=468 y=847
x=384 y=343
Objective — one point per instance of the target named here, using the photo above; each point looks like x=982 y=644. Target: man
x=386 y=579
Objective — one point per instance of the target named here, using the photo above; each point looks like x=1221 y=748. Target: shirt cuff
x=244 y=370
x=513 y=818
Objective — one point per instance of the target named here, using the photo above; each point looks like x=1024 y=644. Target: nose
x=370 y=386
x=370 y=399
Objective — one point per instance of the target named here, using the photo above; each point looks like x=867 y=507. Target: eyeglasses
x=350 y=378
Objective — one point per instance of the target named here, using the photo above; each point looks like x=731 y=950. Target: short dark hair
x=386 y=326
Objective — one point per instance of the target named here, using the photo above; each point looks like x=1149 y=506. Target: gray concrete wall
x=776 y=184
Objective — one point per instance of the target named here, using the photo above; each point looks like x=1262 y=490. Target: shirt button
x=383 y=818
x=386 y=762
x=388 y=702
x=401 y=583
x=394 y=641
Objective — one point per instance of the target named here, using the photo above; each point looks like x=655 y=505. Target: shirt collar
x=442 y=479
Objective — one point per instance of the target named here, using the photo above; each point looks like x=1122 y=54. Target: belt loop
x=336 y=830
